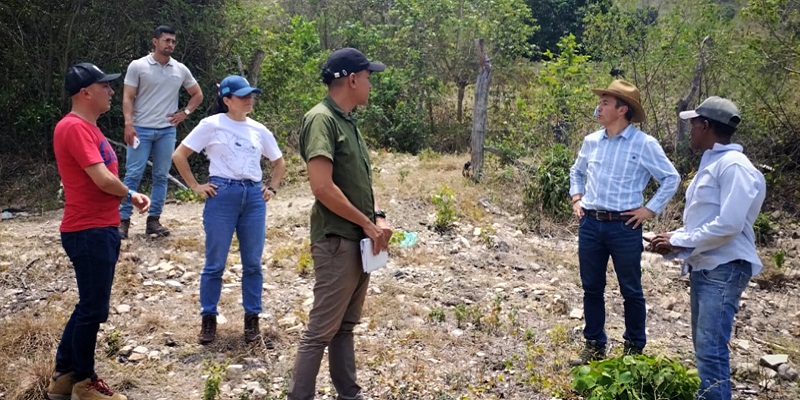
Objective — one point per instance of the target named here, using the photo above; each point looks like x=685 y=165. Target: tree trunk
x=462 y=86
x=255 y=67
x=681 y=146
x=480 y=110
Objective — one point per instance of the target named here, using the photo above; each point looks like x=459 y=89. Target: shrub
x=444 y=200
x=764 y=229
x=638 y=377
x=548 y=190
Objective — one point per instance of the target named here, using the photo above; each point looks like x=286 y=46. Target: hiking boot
x=631 y=349
x=60 y=386
x=155 y=228
x=591 y=352
x=124 y=225
x=251 y=330
x=94 y=390
x=208 y=332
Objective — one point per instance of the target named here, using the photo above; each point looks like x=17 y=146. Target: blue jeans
x=160 y=143
x=597 y=240
x=715 y=298
x=93 y=253
x=238 y=206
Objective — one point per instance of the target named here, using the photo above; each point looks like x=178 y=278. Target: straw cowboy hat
x=626 y=92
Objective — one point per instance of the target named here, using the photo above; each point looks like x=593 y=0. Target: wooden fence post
x=480 y=110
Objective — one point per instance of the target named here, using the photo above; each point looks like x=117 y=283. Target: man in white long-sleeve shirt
x=717 y=242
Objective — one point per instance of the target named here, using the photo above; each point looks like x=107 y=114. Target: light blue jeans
x=715 y=298
x=238 y=207
x=160 y=143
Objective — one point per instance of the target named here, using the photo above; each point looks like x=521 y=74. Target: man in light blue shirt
x=606 y=184
x=717 y=241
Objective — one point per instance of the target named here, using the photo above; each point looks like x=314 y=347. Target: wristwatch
x=131 y=192
x=186 y=111
x=380 y=214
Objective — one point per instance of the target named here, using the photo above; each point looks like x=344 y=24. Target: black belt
x=602 y=215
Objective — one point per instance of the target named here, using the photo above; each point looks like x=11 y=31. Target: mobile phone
x=135 y=142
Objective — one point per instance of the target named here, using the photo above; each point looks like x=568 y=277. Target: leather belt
x=602 y=215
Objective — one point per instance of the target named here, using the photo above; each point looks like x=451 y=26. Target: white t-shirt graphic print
x=234 y=148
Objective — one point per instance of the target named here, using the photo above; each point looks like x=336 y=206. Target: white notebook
x=369 y=261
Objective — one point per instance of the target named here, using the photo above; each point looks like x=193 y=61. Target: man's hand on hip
x=176 y=117
x=638 y=216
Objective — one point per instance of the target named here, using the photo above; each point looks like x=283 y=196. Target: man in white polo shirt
x=150 y=108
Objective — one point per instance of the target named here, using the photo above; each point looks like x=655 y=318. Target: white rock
x=221 y=320
x=674 y=315
x=743 y=344
x=136 y=357
x=126 y=350
x=154 y=355
x=774 y=360
x=234 y=372
x=174 y=283
x=140 y=349
x=251 y=386
x=123 y=309
x=576 y=313
x=476 y=232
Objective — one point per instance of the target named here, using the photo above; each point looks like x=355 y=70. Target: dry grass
x=453 y=317
x=27 y=347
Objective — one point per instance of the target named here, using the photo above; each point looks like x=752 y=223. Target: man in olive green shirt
x=345 y=211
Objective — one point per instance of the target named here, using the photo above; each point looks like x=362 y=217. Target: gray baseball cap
x=717 y=109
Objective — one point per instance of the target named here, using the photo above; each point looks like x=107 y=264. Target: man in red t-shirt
x=92 y=193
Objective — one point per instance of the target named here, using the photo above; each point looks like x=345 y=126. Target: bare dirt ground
x=489 y=310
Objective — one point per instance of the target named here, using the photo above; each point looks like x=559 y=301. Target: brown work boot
x=591 y=352
x=60 y=386
x=94 y=390
x=208 y=332
x=155 y=228
x=251 y=329
x=124 y=226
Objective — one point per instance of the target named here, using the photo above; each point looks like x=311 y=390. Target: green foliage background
x=547 y=55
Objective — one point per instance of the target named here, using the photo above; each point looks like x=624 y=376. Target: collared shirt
x=327 y=132
x=611 y=173
x=722 y=204
x=157 y=89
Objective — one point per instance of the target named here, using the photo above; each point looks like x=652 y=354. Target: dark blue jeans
x=715 y=296
x=597 y=240
x=93 y=253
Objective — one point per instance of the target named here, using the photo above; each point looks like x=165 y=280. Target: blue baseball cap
x=237 y=86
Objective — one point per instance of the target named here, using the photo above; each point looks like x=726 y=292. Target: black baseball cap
x=84 y=75
x=348 y=61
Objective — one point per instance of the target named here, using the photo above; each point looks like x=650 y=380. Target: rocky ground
x=488 y=310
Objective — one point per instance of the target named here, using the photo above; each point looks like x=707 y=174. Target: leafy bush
x=444 y=200
x=764 y=229
x=638 y=377
x=548 y=190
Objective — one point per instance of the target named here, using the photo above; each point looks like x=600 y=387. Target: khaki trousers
x=339 y=292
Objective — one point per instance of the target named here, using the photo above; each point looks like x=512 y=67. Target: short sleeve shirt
x=79 y=145
x=327 y=132
x=157 y=90
x=234 y=148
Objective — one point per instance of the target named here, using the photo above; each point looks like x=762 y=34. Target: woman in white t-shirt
x=235 y=197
